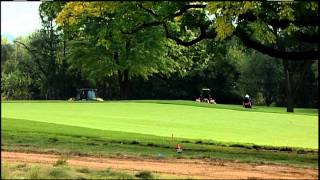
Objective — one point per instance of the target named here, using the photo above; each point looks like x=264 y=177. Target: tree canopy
x=174 y=48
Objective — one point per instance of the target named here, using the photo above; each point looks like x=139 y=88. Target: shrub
x=34 y=173
x=237 y=145
x=15 y=85
x=83 y=170
x=58 y=173
x=61 y=162
x=54 y=139
x=134 y=142
x=144 y=175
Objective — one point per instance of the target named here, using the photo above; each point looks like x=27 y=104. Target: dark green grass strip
x=25 y=135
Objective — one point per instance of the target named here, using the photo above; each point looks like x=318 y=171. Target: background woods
x=168 y=50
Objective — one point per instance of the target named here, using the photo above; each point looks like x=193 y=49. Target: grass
x=269 y=109
x=185 y=119
x=34 y=171
x=144 y=129
x=42 y=137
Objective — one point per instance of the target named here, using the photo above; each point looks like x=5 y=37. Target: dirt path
x=178 y=167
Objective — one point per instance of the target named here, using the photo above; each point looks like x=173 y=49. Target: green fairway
x=221 y=123
x=42 y=137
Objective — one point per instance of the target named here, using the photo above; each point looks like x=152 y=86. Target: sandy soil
x=178 y=167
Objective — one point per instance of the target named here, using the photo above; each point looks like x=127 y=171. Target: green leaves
x=223 y=28
x=15 y=85
x=262 y=32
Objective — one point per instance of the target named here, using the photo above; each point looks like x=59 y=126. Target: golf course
x=159 y=90
x=147 y=129
x=182 y=120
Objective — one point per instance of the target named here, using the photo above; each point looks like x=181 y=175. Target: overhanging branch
x=143 y=26
x=248 y=42
x=160 y=22
x=187 y=7
x=148 y=10
x=310 y=21
x=186 y=43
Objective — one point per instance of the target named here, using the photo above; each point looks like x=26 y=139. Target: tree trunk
x=123 y=78
x=289 y=93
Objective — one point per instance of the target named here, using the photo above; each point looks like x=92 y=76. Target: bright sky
x=19 y=18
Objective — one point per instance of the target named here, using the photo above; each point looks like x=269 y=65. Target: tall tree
x=260 y=25
x=6 y=51
x=100 y=49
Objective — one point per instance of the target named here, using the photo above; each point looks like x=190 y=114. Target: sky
x=19 y=18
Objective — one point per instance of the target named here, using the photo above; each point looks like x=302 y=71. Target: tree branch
x=187 y=7
x=248 y=42
x=310 y=38
x=310 y=21
x=186 y=43
x=157 y=23
x=35 y=57
x=148 y=10
x=142 y=26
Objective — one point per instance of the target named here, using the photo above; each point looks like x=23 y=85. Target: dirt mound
x=178 y=167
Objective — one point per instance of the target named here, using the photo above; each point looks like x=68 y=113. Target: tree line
x=168 y=50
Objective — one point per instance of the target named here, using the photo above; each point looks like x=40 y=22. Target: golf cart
x=86 y=94
x=205 y=96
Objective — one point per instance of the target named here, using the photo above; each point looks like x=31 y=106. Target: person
x=83 y=95
x=247 y=101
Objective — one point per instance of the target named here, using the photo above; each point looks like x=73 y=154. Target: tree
x=100 y=50
x=6 y=51
x=47 y=65
x=273 y=28
x=15 y=83
x=259 y=25
x=262 y=78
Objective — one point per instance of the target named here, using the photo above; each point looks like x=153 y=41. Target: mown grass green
x=34 y=136
x=184 y=119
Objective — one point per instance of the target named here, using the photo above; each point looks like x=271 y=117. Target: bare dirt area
x=178 y=167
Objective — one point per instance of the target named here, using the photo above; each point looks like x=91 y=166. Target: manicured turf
x=34 y=136
x=225 y=123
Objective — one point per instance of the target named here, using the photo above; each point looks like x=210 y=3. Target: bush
x=61 y=162
x=83 y=170
x=58 y=173
x=15 y=85
x=34 y=173
x=144 y=175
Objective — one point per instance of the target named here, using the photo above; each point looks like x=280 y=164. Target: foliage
x=262 y=75
x=6 y=51
x=101 y=51
x=133 y=50
x=15 y=85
